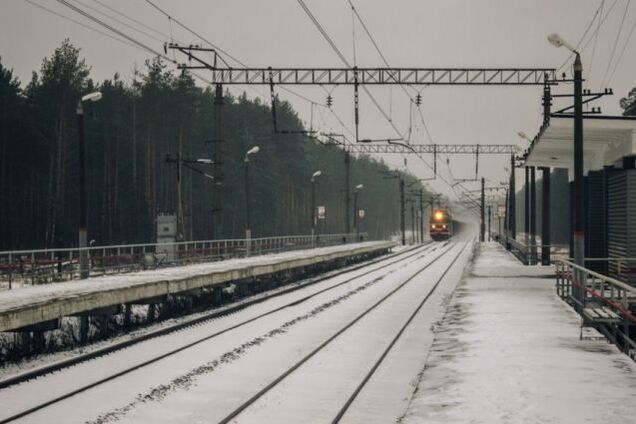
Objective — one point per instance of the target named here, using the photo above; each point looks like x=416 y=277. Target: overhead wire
x=119 y=21
x=219 y=49
x=344 y=60
x=600 y=17
x=618 y=34
x=131 y=19
x=589 y=26
x=115 y=30
x=421 y=115
x=618 y=61
x=83 y=25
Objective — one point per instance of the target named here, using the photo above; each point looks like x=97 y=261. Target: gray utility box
x=166 y=237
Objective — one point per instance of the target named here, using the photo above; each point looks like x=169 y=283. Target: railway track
x=342 y=411
x=405 y=257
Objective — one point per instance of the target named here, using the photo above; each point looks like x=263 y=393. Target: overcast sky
x=413 y=33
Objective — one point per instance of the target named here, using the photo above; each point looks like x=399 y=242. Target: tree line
x=129 y=134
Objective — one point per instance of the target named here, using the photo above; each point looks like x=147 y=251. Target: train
x=441 y=224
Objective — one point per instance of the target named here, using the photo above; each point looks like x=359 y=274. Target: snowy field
x=508 y=351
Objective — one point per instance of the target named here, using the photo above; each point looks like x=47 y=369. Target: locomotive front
x=440 y=225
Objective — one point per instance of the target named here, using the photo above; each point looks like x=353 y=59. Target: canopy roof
x=606 y=139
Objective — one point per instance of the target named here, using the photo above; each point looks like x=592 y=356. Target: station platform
x=508 y=350
x=33 y=305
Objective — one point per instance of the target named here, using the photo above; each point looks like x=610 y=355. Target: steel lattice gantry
x=378 y=76
x=431 y=148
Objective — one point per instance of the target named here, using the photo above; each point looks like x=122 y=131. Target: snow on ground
x=319 y=388
x=501 y=263
x=508 y=351
x=212 y=377
x=44 y=293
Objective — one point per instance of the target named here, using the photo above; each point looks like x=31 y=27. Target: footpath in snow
x=508 y=351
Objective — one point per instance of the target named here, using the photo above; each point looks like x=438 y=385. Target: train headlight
x=433 y=227
x=439 y=215
x=444 y=226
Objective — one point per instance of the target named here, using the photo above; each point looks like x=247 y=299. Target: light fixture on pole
x=248 y=224
x=523 y=135
x=313 y=206
x=83 y=216
x=356 y=218
x=579 y=188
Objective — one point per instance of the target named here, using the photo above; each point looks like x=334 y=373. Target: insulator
x=418 y=99
x=329 y=100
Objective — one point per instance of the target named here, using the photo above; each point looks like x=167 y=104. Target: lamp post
x=356 y=218
x=248 y=224
x=83 y=219
x=313 y=206
x=579 y=188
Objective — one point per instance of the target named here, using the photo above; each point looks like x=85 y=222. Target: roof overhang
x=606 y=139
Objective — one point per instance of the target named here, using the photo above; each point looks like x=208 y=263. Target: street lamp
x=83 y=220
x=248 y=224
x=523 y=135
x=579 y=189
x=356 y=218
x=313 y=205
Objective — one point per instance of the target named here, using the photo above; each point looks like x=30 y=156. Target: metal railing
x=526 y=254
x=53 y=265
x=588 y=290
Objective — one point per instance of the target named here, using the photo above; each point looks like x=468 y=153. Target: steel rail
x=420 y=250
x=324 y=344
x=382 y=357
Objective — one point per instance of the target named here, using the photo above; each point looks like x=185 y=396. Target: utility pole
x=413 y=232
x=83 y=215
x=483 y=198
x=83 y=219
x=579 y=188
x=545 y=217
x=489 y=220
x=421 y=220
x=526 y=210
x=513 y=199
x=217 y=191
x=248 y=222
x=347 y=191
x=402 y=210
x=533 y=217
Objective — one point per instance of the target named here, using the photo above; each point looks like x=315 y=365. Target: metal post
x=217 y=205
x=507 y=220
x=533 y=217
x=355 y=212
x=482 y=227
x=248 y=224
x=579 y=224
x=313 y=212
x=83 y=220
x=412 y=222
x=545 y=218
x=347 y=160
x=421 y=219
x=513 y=199
x=489 y=220
x=526 y=210
x=402 y=211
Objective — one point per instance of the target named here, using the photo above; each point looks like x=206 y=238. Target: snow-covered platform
x=508 y=351
x=37 y=304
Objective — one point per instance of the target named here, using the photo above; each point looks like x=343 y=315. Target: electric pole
x=347 y=194
x=402 y=210
x=483 y=223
